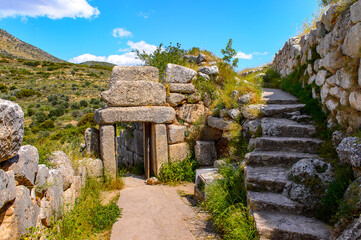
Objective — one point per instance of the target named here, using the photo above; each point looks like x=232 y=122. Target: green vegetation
x=229 y=53
x=174 y=172
x=89 y=219
x=226 y=202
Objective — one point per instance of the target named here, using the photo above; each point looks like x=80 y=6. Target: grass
x=175 y=172
x=89 y=219
x=226 y=202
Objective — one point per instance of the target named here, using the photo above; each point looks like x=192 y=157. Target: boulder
x=175 y=99
x=349 y=151
x=190 y=112
x=355 y=100
x=178 y=74
x=60 y=161
x=353 y=230
x=234 y=113
x=321 y=77
x=94 y=167
x=219 y=123
x=176 y=133
x=211 y=71
x=72 y=193
x=24 y=165
x=195 y=97
x=202 y=75
x=134 y=73
x=355 y=10
x=91 y=139
x=300 y=193
x=135 y=93
x=332 y=105
x=336 y=92
x=201 y=58
x=245 y=99
x=352 y=43
x=182 y=88
x=25 y=210
x=359 y=74
x=7 y=187
x=345 y=79
x=333 y=61
x=252 y=111
x=205 y=152
x=41 y=178
x=11 y=129
x=178 y=152
x=190 y=58
x=51 y=205
x=329 y=17
x=210 y=134
x=337 y=137
x=135 y=114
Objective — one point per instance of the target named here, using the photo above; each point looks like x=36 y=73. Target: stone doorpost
x=107 y=149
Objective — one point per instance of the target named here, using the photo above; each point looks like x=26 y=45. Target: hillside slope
x=14 y=47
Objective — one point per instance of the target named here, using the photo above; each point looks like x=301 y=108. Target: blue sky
x=107 y=30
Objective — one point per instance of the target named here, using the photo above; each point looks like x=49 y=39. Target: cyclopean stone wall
x=33 y=194
x=330 y=55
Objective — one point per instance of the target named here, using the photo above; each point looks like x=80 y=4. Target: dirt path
x=159 y=212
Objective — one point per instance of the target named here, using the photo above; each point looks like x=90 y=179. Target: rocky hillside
x=14 y=47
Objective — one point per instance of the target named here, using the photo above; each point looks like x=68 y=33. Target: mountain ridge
x=14 y=47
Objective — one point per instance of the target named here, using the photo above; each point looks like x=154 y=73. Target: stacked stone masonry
x=330 y=54
x=33 y=194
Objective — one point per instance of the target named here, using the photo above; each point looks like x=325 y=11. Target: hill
x=95 y=63
x=13 y=47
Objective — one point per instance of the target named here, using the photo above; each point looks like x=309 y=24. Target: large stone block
x=178 y=74
x=356 y=12
x=134 y=73
x=210 y=134
x=135 y=114
x=7 y=187
x=91 y=139
x=42 y=176
x=219 y=123
x=190 y=112
x=333 y=61
x=174 y=99
x=11 y=129
x=355 y=100
x=161 y=146
x=25 y=210
x=328 y=18
x=107 y=149
x=182 y=88
x=24 y=165
x=349 y=151
x=135 y=93
x=352 y=43
x=205 y=152
x=321 y=77
x=178 y=152
x=176 y=133
x=62 y=162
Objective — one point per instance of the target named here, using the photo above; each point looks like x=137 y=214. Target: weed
x=174 y=172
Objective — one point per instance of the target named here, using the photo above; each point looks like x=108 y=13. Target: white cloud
x=260 y=53
x=142 y=46
x=54 y=9
x=128 y=58
x=242 y=55
x=145 y=15
x=121 y=33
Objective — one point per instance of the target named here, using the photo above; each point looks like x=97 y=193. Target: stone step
x=280 y=127
x=270 y=158
x=289 y=144
x=259 y=201
x=273 y=225
x=277 y=96
x=265 y=179
x=278 y=110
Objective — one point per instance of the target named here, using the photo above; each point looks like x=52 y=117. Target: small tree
x=229 y=53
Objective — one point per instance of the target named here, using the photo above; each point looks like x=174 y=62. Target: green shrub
x=74 y=105
x=87 y=119
x=83 y=103
x=226 y=202
x=27 y=93
x=41 y=117
x=178 y=171
x=162 y=56
x=3 y=88
x=48 y=124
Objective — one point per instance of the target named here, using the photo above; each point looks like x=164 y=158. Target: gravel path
x=160 y=212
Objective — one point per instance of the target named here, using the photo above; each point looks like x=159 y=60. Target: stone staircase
x=283 y=143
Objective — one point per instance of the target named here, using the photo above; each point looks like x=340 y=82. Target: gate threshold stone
x=153 y=114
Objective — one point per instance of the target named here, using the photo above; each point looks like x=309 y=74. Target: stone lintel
x=153 y=114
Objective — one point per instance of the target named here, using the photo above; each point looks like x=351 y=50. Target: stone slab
x=182 y=88
x=135 y=114
x=134 y=73
x=176 y=133
x=107 y=149
x=135 y=93
x=178 y=152
x=161 y=146
x=178 y=74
